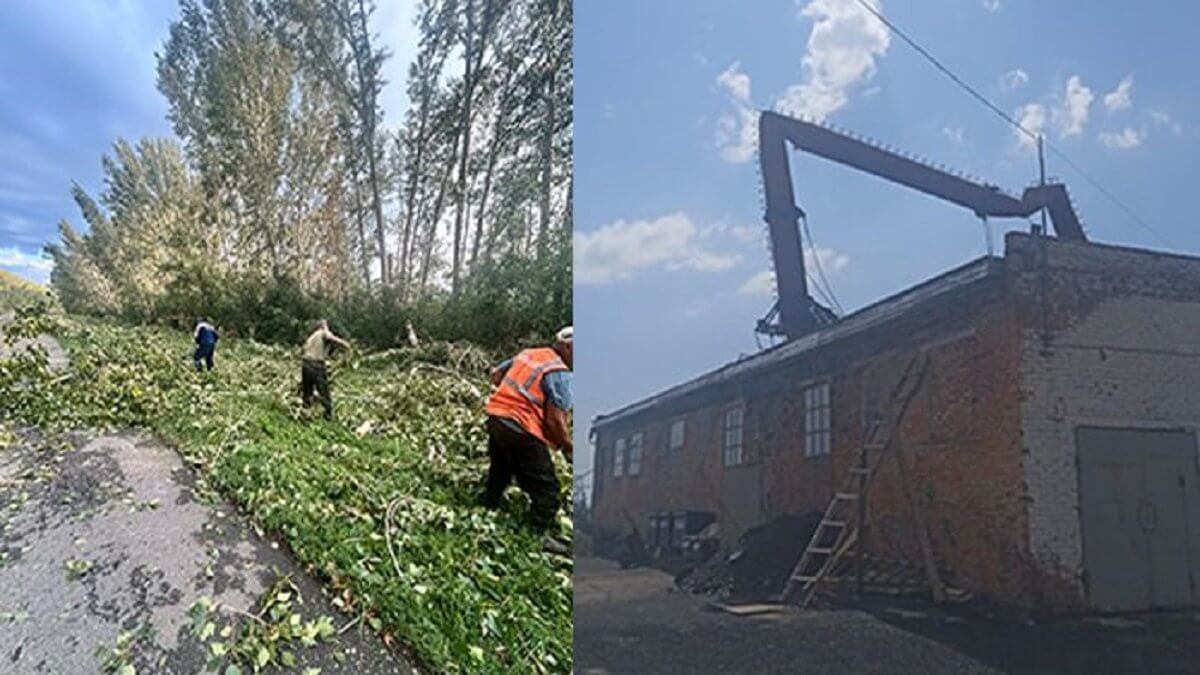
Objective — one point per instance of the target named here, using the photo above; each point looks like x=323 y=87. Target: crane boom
x=798 y=313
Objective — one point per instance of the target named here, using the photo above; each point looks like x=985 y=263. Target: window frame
x=818 y=418
x=681 y=422
x=633 y=468
x=728 y=457
x=618 y=467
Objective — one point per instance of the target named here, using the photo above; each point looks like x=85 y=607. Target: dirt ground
x=635 y=621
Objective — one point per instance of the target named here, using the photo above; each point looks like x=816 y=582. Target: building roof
x=852 y=324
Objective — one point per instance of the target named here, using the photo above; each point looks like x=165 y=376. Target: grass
x=16 y=291
x=379 y=503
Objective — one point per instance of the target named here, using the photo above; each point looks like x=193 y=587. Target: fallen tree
x=380 y=504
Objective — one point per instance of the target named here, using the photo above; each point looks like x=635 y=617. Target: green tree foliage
x=285 y=186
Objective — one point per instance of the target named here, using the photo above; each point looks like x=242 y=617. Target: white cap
x=565 y=336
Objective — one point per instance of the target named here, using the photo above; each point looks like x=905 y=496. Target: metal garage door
x=1139 y=494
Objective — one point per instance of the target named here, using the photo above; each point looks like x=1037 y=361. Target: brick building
x=1052 y=442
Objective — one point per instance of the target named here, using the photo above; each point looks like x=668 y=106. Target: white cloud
x=1014 y=79
x=991 y=5
x=1071 y=115
x=841 y=52
x=1032 y=117
x=29 y=265
x=619 y=250
x=737 y=132
x=1121 y=97
x=1126 y=139
x=1162 y=118
x=763 y=283
x=831 y=261
x=955 y=134
x=737 y=135
x=842 y=48
x=734 y=81
x=15 y=257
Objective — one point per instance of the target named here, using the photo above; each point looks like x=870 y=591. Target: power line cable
x=812 y=245
x=1008 y=118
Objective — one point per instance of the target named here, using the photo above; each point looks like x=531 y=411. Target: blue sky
x=671 y=262
x=77 y=74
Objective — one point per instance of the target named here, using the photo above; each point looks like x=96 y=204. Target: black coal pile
x=759 y=567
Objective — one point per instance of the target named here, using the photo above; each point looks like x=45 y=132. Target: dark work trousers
x=204 y=356
x=313 y=377
x=516 y=454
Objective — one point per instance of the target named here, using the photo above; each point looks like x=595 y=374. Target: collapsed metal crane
x=796 y=312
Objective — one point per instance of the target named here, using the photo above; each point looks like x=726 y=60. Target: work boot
x=555 y=547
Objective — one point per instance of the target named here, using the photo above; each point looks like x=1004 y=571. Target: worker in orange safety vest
x=529 y=411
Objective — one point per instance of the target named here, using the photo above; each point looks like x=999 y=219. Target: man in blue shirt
x=206 y=337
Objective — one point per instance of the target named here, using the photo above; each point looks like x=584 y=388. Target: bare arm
x=337 y=340
x=558 y=430
x=496 y=376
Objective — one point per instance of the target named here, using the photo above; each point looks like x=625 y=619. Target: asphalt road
x=633 y=621
x=104 y=534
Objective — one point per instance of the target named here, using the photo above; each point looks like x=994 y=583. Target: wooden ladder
x=837 y=533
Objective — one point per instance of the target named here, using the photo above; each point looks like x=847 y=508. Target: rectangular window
x=732 y=436
x=619 y=458
x=635 y=454
x=675 y=441
x=816 y=420
x=679 y=530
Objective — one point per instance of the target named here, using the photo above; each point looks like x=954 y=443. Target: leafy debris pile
x=261 y=640
x=380 y=503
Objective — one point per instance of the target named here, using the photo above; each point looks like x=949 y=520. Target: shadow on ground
x=1160 y=642
x=636 y=621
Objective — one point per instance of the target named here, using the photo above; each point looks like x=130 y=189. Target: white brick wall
x=1130 y=362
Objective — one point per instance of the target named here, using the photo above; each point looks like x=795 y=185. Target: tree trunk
x=494 y=154
x=547 y=166
x=362 y=232
x=413 y=185
x=548 y=126
x=377 y=204
x=468 y=87
x=439 y=205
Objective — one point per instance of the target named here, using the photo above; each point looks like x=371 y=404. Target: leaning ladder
x=838 y=531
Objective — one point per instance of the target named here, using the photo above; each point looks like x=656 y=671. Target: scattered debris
x=119 y=659
x=905 y=613
x=759 y=567
x=264 y=638
x=749 y=610
x=76 y=569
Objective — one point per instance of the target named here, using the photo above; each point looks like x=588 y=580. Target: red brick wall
x=961 y=444
x=1018 y=359
x=961 y=439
